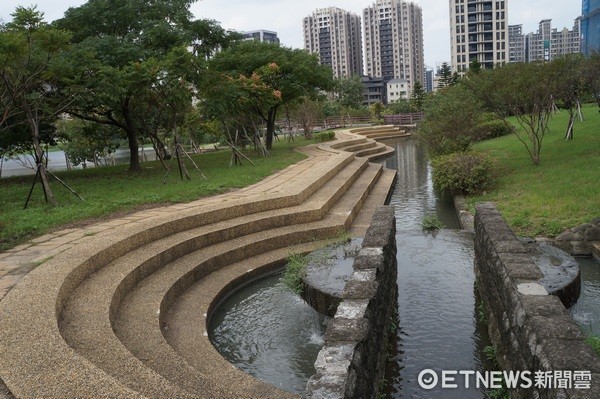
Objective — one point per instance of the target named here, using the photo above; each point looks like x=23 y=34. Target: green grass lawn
x=562 y=192
x=112 y=189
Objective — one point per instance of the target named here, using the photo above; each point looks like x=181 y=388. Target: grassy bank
x=110 y=190
x=562 y=192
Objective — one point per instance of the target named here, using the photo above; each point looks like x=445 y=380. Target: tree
x=280 y=76
x=591 y=75
x=84 y=141
x=474 y=66
x=119 y=53
x=452 y=119
x=307 y=113
x=27 y=77
x=446 y=78
x=418 y=97
x=567 y=85
x=522 y=90
x=349 y=91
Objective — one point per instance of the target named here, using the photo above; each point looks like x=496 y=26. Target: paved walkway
x=18 y=261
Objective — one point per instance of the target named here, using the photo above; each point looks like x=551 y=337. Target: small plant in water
x=594 y=342
x=295 y=271
x=431 y=223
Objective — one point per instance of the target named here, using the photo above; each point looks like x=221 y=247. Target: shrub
x=490 y=127
x=327 y=135
x=470 y=172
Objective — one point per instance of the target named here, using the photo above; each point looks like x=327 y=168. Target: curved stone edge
x=531 y=330
x=351 y=363
x=580 y=240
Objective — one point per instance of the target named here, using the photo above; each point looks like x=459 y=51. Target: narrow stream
x=437 y=306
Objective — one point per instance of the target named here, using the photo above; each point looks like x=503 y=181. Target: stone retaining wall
x=350 y=365
x=530 y=329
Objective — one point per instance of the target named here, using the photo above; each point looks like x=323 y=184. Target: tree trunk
x=134 y=156
x=569 y=134
x=132 y=139
x=39 y=157
x=39 y=154
x=183 y=172
x=270 y=127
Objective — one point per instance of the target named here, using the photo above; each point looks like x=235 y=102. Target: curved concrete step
x=56 y=329
x=371 y=128
x=384 y=135
x=88 y=316
x=379 y=148
x=185 y=324
x=138 y=323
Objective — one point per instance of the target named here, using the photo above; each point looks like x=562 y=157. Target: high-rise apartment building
x=394 y=41
x=544 y=45
x=262 y=35
x=590 y=26
x=548 y=43
x=335 y=35
x=478 y=30
x=516 y=44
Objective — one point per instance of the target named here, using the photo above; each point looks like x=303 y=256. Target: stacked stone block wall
x=530 y=329
x=351 y=363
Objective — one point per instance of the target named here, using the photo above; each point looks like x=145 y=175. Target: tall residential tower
x=590 y=26
x=478 y=30
x=394 y=41
x=335 y=36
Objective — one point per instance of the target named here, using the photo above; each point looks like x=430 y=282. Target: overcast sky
x=285 y=16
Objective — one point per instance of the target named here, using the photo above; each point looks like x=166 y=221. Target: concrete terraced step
x=140 y=327
x=371 y=128
x=379 y=148
x=382 y=135
x=57 y=330
x=88 y=315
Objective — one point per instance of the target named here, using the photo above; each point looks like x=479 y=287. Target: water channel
x=274 y=335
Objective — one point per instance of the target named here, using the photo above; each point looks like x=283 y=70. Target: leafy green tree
x=522 y=90
x=452 y=119
x=418 y=97
x=84 y=141
x=474 y=66
x=446 y=77
x=120 y=56
x=376 y=109
x=282 y=76
x=349 y=91
x=568 y=85
x=27 y=79
x=399 y=106
x=591 y=75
